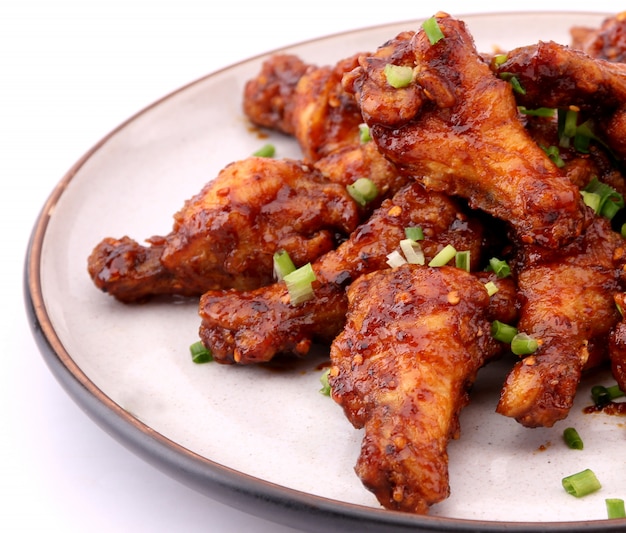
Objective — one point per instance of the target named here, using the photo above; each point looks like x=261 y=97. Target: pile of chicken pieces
x=452 y=153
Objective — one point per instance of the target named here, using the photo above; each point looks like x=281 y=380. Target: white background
x=71 y=71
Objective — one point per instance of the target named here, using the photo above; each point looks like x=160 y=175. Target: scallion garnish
x=602 y=395
x=396 y=259
x=364 y=133
x=547 y=112
x=362 y=191
x=615 y=508
x=200 y=353
x=523 y=344
x=414 y=232
x=503 y=332
x=512 y=79
x=299 y=284
x=398 y=76
x=443 y=257
x=267 y=150
x=572 y=439
x=462 y=260
x=554 y=155
x=491 y=288
x=283 y=264
x=325 y=390
x=608 y=201
x=499 y=59
x=500 y=267
x=412 y=252
x=432 y=30
x=581 y=484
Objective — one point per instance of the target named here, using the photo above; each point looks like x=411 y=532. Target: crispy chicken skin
x=253 y=326
x=226 y=235
x=553 y=75
x=566 y=300
x=455 y=128
x=414 y=340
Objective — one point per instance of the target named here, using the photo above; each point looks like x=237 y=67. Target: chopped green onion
x=432 y=30
x=414 y=232
x=622 y=231
x=283 y=264
x=491 y=288
x=601 y=395
x=325 y=390
x=363 y=191
x=547 y=112
x=364 y=133
x=609 y=202
x=499 y=59
x=500 y=267
x=572 y=439
x=523 y=344
x=398 y=76
x=591 y=199
x=267 y=150
x=299 y=284
x=412 y=252
x=554 y=155
x=443 y=257
x=200 y=353
x=512 y=79
x=503 y=332
x=567 y=122
x=462 y=260
x=581 y=484
x=396 y=259
x=615 y=508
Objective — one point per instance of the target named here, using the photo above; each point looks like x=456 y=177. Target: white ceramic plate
x=263 y=440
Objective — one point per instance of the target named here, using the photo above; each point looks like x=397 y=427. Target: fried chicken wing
x=268 y=98
x=226 y=235
x=553 y=75
x=617 y=346
x=455 y=128
x=253 y=326
x=566 y=300
x=306 y=101
x=414 y=340
x=606 y=42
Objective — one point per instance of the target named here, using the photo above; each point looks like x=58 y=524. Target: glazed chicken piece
x=309 y=102
x=226 y=235
x=617 y=346
x=607 y=42
x=455 y=128
x=268 y=99
x=553 y=75
x=306 y=101
x=253 y=326
x=414 y=340
x=566 y=300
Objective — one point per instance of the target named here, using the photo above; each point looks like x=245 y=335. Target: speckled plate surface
x=265 y=440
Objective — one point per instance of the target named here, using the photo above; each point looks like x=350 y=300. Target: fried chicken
x=553 y=75
x=606 y=42
x=254 y=326
x=455 y=128
x=226 y=235
x=306 y=101
x=414 y=340
x=566 y=300
x=617 y=345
